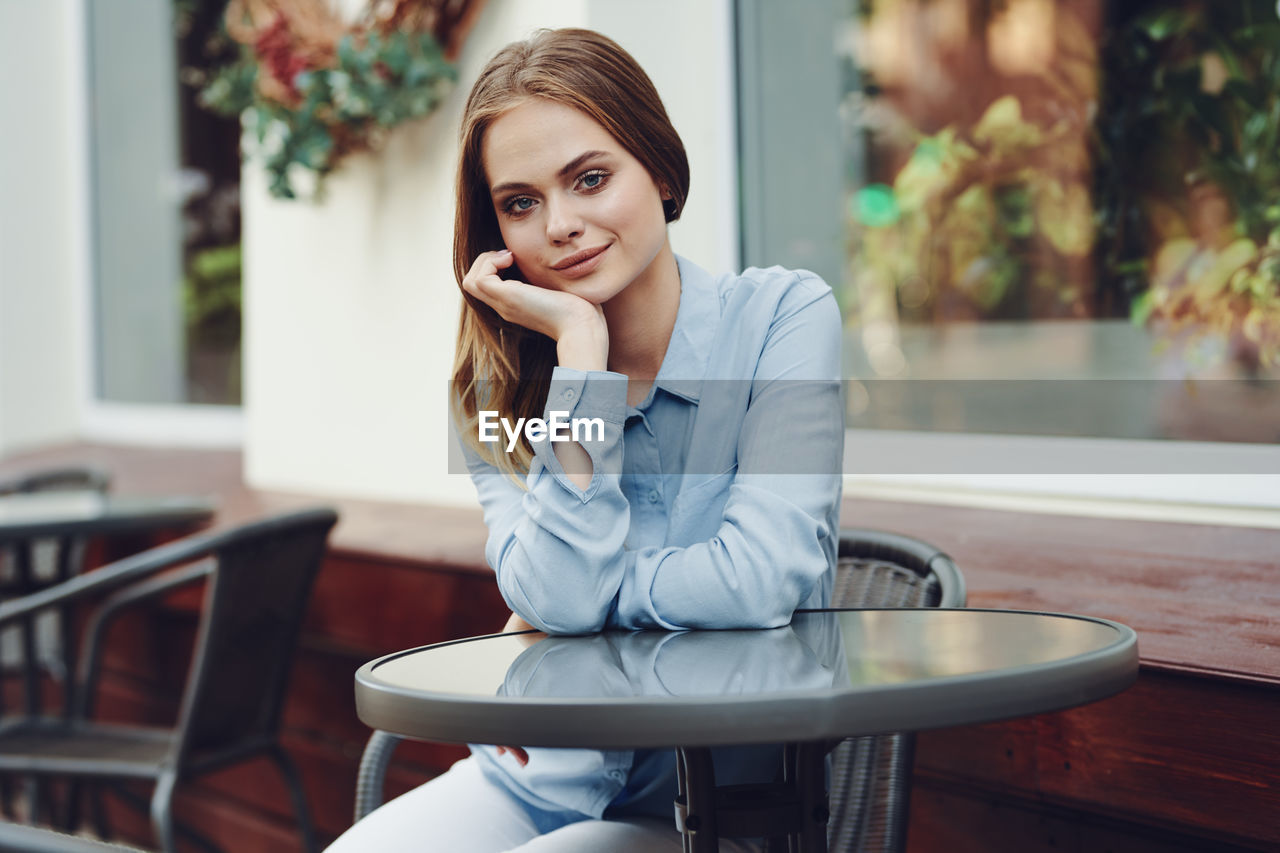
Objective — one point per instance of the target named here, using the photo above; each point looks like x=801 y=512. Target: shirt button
x=654 y=496
x=569 y=394
x=618 y=775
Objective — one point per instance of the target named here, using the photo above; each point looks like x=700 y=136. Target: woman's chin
x=593 y=291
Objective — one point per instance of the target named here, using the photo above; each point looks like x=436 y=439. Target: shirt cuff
x=591 y=407
x=587 y=393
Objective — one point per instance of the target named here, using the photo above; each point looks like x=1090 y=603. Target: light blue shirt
x=714 y=503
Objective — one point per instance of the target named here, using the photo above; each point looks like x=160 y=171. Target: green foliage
x=232 y=89
x=973 y=214
x=211 y=290
x=875 y=206
x=1192 y=99
x=378 y=82
x=212 y=310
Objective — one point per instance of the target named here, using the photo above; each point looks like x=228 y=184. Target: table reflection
x=819 y=650
x=885 y=647
x=805 y=655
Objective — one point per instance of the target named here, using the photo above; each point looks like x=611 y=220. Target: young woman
x=707 y=493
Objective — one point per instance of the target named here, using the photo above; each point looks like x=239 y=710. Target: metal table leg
x=696 y=816
x=794 y=809
x=811 y=784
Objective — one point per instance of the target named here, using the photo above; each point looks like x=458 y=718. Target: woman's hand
x=515 y=623
x=576 y=325
x=521 y=757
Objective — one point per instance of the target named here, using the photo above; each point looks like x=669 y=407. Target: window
x=164 y=176
x=1052 y=218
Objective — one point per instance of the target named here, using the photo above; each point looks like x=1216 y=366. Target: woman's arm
x=777 y=538
x=577 y=327
x=558 y=549
x=551 y=544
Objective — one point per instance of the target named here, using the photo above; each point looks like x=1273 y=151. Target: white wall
x=350 y=305
x=687 y=50
x=38 y=356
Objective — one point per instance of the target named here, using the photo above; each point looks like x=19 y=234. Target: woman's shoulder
x=787 y=318
x=777 y=291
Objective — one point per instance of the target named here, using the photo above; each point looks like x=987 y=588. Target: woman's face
x=578 y=212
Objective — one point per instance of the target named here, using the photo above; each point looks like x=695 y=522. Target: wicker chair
x=870 y=776
x=258 y=580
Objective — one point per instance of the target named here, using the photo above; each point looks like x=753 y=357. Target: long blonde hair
x=498 y=365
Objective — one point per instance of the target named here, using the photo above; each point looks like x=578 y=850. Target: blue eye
x=594 y=179
x=519 y=204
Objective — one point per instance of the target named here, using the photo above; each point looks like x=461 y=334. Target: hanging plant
x=312 y=88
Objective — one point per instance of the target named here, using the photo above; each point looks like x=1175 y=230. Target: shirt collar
x=685 y=364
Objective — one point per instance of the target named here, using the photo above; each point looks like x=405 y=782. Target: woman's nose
x=563 y=222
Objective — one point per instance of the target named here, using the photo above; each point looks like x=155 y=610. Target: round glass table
x=87 y=513
x=829 y=675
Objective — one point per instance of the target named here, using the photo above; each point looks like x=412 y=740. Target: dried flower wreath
x=312 y=88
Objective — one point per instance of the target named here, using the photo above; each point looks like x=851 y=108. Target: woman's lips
x=581 y=263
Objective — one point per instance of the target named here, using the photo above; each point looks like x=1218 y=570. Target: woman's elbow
x=774 y=612
x=774 y=608
x=574 y=620
x=558 y=614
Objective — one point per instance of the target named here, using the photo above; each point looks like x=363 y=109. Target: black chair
x=28 y=566
x=25 y=567
x=870 y=776
x=258 y=580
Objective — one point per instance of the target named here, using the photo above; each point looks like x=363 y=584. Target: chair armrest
x=126 y=571
x=373 y=771
x=950 y=581
x=112 y=576
x=90 y=654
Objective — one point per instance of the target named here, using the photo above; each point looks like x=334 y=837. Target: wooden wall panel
x=383 y=606
x=974 y=821
x=1172 y=752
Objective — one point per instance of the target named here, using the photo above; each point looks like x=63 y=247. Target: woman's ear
x=669 y=209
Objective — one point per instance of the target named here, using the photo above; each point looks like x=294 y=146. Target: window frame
x=175 y=425
x=1158 y=473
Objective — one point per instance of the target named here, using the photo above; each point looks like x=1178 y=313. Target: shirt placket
x=643 y=486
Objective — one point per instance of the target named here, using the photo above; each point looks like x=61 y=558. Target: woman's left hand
x=521 y=757
x=569 y=320
x=515 y=623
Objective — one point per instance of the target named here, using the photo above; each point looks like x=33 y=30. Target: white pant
x=463 y=812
